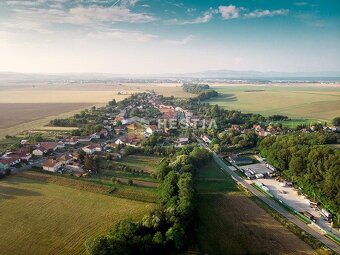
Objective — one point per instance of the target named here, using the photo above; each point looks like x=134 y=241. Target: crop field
x=295 y=100
x=140 y=162
x=13 y=114
x=55 y=219
x=229 y=222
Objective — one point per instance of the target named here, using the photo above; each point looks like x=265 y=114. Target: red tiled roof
x=50 y=163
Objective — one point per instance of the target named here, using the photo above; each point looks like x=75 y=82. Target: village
x=119 y=129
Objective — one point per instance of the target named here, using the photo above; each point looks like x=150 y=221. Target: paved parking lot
x=290 y=197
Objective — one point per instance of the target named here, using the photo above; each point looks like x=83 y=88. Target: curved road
x=330 y=244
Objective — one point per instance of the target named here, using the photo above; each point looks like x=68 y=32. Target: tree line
x=165 y=228
x=308 y=162
x=195 y=88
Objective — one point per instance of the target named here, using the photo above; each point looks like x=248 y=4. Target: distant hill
x=210 y=74
x=257 y=74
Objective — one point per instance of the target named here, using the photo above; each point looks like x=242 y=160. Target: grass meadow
x=45 y=217
x=296 y=101
x=229 y=222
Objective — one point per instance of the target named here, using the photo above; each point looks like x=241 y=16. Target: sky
x=168 y=36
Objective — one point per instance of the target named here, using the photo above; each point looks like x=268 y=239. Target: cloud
x=206 y=17
x=266 y=13
x=189 y=10
x=45 y=19
x=229 y=12
x=84 y=15
x=300 y=3
x=123 y=35
x=184 y=41
x=128 y=3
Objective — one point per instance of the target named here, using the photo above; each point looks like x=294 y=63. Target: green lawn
x=302 y=102
x=40 y=217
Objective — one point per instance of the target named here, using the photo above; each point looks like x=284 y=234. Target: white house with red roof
x=51 y=165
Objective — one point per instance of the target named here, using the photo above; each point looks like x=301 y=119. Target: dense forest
x=165 y=228
x=308 y=162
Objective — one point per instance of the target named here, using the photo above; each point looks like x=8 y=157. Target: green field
x=140 y=169
x=40 y=217
x=295 y=101
x=229 y=222
x=141 y=162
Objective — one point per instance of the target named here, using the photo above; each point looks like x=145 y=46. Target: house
x=120 y=141
x=270 y=129
x=51 y=165
x=11 y=158
x=75 y=155
x=65 y=159
x=118 y=119
x=39 y=151
x=92 y=148
x=134 y=142
x=51 y=145
x=71 y=141
x=84 y=139
x=263 y=133
x=258 y=128
x=183 y=140
x=152 y=129
x=22 y=153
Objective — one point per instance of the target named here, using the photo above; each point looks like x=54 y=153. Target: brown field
x=13 y=114
x=243 y=227
x=229 y=222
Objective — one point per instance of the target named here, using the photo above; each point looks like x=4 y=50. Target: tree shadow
x=12 y=192
x=226 y=98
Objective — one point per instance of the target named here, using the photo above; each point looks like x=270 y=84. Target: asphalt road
x=330 y=244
